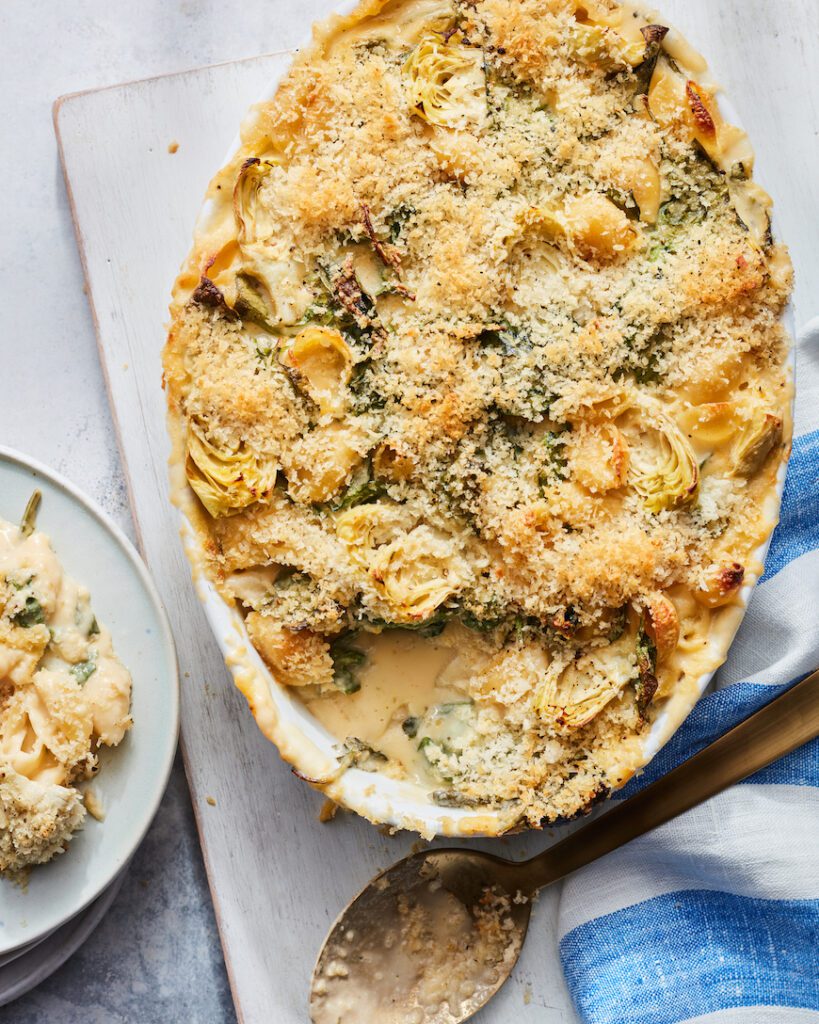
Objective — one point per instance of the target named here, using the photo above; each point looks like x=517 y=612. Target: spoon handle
x=782 y=726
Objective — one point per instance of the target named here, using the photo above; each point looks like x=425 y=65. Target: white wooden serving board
x=279 y=877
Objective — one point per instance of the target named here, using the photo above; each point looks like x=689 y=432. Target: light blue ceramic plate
x=134 y=775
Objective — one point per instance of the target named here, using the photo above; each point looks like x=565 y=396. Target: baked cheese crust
x=479 y=355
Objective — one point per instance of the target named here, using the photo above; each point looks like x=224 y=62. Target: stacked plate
x=24 y=968
x=42 y=924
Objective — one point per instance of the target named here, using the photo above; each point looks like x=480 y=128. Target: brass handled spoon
x=433 y=938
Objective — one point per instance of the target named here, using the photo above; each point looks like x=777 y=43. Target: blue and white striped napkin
x=715 y=917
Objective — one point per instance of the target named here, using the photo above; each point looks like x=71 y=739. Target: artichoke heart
x=269 y=291
x=664 y=471
x=417 y=573
x=413 y=569
x=590 y=684
x=584 y=706
x=445 y=82
x=756 y=443
x=322 y=364
x=598 y=44
x=253 y=219
x=367 y=527
x=226 y=480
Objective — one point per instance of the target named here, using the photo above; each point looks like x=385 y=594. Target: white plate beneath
x=25 y=970
x=133 y=776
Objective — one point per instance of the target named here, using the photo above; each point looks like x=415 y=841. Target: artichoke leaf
x=251 y=305
x=253 y=220
x=269 y=290
x=280 y=298
x=644 y=72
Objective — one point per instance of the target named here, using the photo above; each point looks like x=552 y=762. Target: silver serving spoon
x=433 y=938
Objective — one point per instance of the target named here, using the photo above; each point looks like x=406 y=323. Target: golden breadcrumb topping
x=481 y=339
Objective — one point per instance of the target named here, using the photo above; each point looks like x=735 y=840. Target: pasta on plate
x=478 y=375
x=63 y=695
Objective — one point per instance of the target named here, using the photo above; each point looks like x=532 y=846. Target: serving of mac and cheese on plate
x=89 y=703
x=63 y=695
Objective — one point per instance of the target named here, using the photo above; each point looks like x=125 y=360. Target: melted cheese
x=63 y=693
x=401 y=679
x=567 y=332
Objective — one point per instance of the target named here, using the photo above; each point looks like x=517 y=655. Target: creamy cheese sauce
x=427 y=955
x=404 y=676
x=63 y=694
x=421 y=701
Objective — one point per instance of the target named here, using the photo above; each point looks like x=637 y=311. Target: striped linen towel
x=715 y=916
